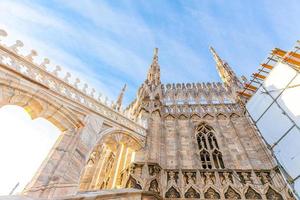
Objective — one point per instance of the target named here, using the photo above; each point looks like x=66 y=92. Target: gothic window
x=210 y=154
x=218 y=161
x=205 y=159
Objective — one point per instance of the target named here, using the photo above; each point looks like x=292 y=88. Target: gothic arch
x=232 y=194
x=115 y=141
x=273 y=194
x=234 y=116
x=154 y=186
x=132 y=183
x=182 y=117
x=191 y=193
x=169 y=117
x=195 y=117
x=37 y=105
x=172 y=193
x=221 y=116
x=252 y=194
x=210 y=155
x=208 y=117
x=211 y=194
x=137 y=142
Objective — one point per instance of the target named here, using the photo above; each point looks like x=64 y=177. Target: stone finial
x=112 y=104
x=93 y=92
x=15 y=47
x=30 y=56
x=77 y=81
x=44 y=63
x=2 y=33
x=105 y=100
x=85 y=86
x=99 y=97
x=57 y=69
x=66 y=78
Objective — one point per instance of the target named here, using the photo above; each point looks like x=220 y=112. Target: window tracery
x=210 y=155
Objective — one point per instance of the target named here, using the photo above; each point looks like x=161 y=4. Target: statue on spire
x=120 y=98
x=153 y=76
x=226 y=73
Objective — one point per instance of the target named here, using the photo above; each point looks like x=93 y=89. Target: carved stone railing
x=197 y=93
x=206 y=184
x=11 y=59
x=202 y=109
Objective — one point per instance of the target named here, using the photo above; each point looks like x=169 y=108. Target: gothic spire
x=153 y=76
x=226 y=73
x=120 y=98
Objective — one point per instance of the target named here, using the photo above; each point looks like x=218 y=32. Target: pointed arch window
x=210 y=154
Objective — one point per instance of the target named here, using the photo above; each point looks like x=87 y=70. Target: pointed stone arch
x=195 y=117
x=209 y=151
x=252 y=194
x=211 y=194
x=39 y=106
x=208 y=117
x=234 y=116
x=154 y=186
x=117 y=142
x=221 y=116
x=132 y=183
x=191 y=193
x=182 y=117
x=272 y=194
x=172 y=193
x=232 y=194
x=170 y=117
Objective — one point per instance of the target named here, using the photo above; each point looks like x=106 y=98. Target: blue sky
x=109 y=43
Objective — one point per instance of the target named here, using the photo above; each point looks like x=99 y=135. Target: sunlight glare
x=24 y=144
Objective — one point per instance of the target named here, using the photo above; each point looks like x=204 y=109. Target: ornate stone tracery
x=210 y=155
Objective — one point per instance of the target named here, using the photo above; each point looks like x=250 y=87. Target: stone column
x=59 y=175
x=115 y=169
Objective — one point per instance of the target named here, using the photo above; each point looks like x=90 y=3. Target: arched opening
x=210 y=154
x=24 y=144
x=108 y=166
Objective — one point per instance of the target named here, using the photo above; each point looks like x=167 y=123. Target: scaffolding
x=256 y=91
